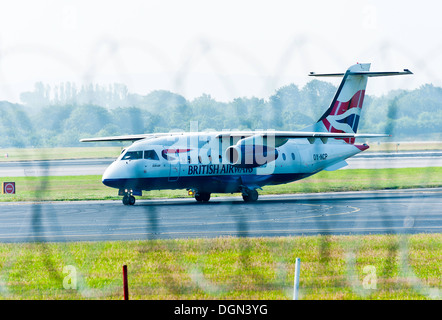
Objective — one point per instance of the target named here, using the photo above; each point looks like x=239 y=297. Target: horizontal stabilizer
x=363 y=73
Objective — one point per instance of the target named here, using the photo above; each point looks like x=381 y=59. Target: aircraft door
x=175 y=167
x=174 y=171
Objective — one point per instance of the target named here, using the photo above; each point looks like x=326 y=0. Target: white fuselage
x=202 y=166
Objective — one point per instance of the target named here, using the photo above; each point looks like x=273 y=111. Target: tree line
x=60 y=116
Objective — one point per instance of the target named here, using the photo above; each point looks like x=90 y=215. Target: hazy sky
x=223 y=48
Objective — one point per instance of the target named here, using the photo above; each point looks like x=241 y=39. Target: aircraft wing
x=280 y=136
x=117 y=138
x=130 y=137
x=299 y=134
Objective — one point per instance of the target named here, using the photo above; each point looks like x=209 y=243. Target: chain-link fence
x=380 y=244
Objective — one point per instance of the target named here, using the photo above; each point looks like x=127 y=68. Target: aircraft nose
x=110 y=177
x=107 y=173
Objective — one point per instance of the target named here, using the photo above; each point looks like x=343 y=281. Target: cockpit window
x=151 y=155
x=133 y=155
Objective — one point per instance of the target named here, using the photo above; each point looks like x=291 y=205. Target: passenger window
x=150 y=155
x=133 y=155
x=293 y=156
x=283 y=156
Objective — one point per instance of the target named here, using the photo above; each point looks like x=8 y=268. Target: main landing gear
x=202 y=196
x=199 y=196
x=250 y=195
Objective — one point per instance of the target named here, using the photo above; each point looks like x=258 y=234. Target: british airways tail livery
x=244 y=161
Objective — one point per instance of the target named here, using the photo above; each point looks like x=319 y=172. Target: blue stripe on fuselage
x=212 y=184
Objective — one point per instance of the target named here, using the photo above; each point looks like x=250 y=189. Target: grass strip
x=57 y=188
x=405 y=146
x=29 y=154
x=332 y=267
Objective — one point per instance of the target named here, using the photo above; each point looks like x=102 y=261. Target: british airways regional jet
x=244 y=161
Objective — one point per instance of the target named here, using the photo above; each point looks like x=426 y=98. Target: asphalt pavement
x=367 y=212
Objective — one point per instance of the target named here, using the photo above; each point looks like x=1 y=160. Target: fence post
x=296 y=284
x=125 y=285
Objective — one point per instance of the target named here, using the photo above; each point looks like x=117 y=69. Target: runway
x=394 y=211
x=98 y=166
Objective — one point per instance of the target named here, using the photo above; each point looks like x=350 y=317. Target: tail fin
x=345 y=110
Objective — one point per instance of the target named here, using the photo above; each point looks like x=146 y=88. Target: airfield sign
x=8 y=187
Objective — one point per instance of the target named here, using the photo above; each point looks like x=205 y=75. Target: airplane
x=244 y=161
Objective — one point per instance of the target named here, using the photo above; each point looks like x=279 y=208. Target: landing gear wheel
x=128 y=200
x=251 y=196
x=202 y=197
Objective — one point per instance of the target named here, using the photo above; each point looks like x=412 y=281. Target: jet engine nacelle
x=250 y=156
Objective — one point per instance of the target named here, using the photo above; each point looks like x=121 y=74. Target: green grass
x=90 y=187
x=332 y=267
x=404 y=146
x=17 y=154
x=227 y=268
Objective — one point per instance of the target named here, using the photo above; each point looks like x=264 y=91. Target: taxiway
x=368 y=212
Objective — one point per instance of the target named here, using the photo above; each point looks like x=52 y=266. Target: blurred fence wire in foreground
x=231 y=263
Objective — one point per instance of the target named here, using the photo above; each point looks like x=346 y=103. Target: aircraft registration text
x=319 y=156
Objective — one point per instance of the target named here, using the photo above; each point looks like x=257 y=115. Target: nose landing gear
x=128 y=200
x=128 y=197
